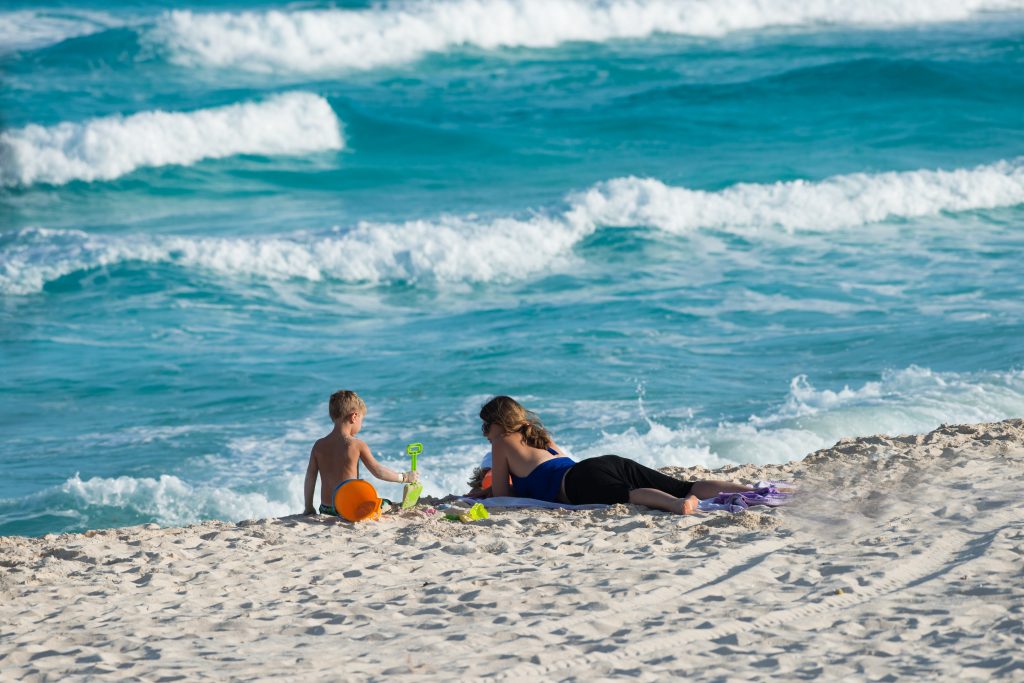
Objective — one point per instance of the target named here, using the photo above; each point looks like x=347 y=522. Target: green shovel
x=411 y=492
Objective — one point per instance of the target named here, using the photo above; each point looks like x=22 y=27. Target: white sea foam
x=909 y=401
x=271 y=485
x=171 y=501
x=109 y=147
x=469 y=249
x=448 y=250
x=838 y=202
x=33 y=29
x=397 y=32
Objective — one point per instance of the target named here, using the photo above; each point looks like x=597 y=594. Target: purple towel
x=766 y=493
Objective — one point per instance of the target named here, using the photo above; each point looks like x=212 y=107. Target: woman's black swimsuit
x=609 y=479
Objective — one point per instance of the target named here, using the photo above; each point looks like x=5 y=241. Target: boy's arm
x=310 y=484
x=382 y=472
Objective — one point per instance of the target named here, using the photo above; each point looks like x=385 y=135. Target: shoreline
x=899 y=556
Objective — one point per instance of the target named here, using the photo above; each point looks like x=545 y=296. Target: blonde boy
x=336 y=456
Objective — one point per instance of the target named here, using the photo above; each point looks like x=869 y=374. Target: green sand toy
x=411 y=492
x=478 y=511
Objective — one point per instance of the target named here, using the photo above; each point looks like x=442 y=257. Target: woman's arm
x=499 y=473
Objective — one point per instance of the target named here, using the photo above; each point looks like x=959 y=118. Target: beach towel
x=766 y=493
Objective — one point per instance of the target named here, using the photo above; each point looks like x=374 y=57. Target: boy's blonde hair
x=343 y=403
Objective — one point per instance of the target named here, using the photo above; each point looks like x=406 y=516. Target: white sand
x=903 y=558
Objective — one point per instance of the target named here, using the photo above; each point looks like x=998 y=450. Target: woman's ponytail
x=534 y=433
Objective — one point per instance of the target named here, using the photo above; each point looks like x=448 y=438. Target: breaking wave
x=908 y=401
x=170 y=501
x=839 y=202
x=399 y=32
x=112 y=146
x=469 y=249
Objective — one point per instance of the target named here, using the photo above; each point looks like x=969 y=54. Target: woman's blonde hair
x=512 y=417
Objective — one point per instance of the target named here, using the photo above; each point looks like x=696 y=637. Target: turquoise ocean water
x=687 y=232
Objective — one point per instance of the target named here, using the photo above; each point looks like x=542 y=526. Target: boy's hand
x=410 y=477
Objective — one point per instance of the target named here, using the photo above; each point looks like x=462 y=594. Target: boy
x=480 y=482
x=336 y=456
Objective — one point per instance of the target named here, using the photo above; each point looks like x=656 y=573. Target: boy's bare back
x=337 y=459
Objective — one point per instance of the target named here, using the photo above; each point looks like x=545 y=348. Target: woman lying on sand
x=522 y=448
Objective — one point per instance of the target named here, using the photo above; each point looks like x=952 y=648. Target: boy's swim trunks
x=609 y=479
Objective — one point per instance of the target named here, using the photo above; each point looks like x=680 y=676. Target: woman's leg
x=639 y=476
x=712 y=487
x=613 y=479
x=653 y=498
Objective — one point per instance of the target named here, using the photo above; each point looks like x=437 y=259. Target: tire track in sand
x=709 y=573
x=937 y=558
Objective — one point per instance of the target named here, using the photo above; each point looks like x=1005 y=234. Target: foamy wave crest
x=471 y=249
x=451 y=250
x=172 y=502
x=109 y=147
x=33 y=29
x=909 y=401
x=838 y=202
x=317 y=40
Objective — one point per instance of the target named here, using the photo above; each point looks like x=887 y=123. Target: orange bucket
x=356 y=500
x=488 y=479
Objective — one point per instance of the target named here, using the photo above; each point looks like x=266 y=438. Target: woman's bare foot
x=688 y=505
x=659 y=500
